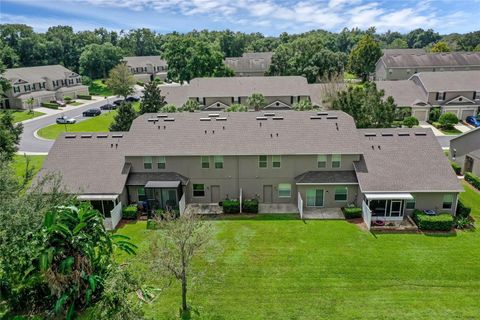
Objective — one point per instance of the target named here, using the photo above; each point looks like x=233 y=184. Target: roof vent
x=277 y=118
x=387 y=134
x=221 y=119
x=322 y=114
x=102 y=135
x=162 y=115
x=403 y=134
x=169 y=119
x=261 y=118
x=85 y=136
x=269 y=114
x=370 y=134
x=332 y=117
x=420 y=133
x=213 y=115
x=315 y=117
x=152 y=120
x=205 y=119
x=117 y=135
x=70 y=136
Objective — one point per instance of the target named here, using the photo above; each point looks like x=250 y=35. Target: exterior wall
x=144 y=77
x=476 y=166
x=405 y=73
x=463 y=145
x=240 y=172
x=425 y=201
x=209 y=101
x=380 y=71
x=329 y=195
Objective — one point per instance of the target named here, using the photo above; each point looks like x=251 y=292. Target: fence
x=182 y=205
x=366 y=214
x=115 y=217
x=300 y=205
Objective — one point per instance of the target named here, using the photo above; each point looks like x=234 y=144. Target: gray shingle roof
x=413 y=163
x=37 y=74
x=242 y=134
x=327 y=177
x=142 y=61
x=250 y=62
x=403 y=51
x=450 y=80
x=452 y=59
x=89 y=165
x=405 y=92
x=141 y=178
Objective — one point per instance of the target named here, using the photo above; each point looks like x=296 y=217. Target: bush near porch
x=130 y=212
x=440 y=222
x=250 y=206
x=352 y=212
x=456 y=167
x=231 y=206
x=473 y=180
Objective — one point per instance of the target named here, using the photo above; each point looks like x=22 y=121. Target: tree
x=367 y=106
x=256 y=101
x=303 y=105
x=191 y=105
x=398 y=44
x=97 y=60
x=410 y=121
x=121 y=80
x=152 y=100
x=364 y=56
x=30 y=101
x=4 y=83
x=124 y=117
x=440 y=46
x=236 y=107
x=169 y=108
x=173 y=252
x=420 y=38
x=448 y=120
x=9 y=136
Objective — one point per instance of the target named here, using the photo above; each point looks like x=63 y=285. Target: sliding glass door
x=315 y=198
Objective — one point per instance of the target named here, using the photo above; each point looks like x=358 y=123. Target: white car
x=65 y=120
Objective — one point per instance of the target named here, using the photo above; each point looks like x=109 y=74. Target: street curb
x=35 y=134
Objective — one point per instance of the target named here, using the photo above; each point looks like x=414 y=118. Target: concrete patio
x=204 y=208
x=323 y=214
x=277 y=208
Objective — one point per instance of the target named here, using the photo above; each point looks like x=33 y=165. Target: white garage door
x=421 y=115
x=467 y=113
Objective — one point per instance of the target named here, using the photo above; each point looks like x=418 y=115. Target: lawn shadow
x=254 y=216
x=441 y=234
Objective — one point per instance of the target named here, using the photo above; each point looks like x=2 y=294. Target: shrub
x=152 y=224
x=472 y=179
x=434 y=114
x=50 y=105
x=456 y=167
x=231 y=206
x=440 y=222
x=410 y=122
x=448 y=120
x=352 y=212
x=130 y=212
x=463 y=223
x=250 y=206
x=141 y=83
x=462 y=210
x=84 y=96
x=437 y=125
x=67 y=99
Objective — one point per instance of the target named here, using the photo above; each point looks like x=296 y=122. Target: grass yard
x=97 y=88
x=451 y=132
x=99 y=123
x=278 y=267
x=20 y=115
x=19 y=163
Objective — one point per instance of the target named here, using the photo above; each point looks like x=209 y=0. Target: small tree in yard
x=448 y=120
x=364 y=56
x=124 y=117
x=256 y=101
x=173 y=252
x=169 y=108
x=303 y=105
x=30 y=101
x=152 y=99
x=236 y=107
x=121 y=80
x=410 y=122
x=191 y=105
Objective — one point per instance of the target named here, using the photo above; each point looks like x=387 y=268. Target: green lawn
x=451 y=131
x=19 y=115
x=100 y=123
x=97 y=88
x=19 y=163
x=278 y=267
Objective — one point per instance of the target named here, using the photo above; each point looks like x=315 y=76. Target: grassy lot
x=20 y=115
x=451 y=131
x=19 y=163
x=100 y=123
x=278 y=267
x=97 y=88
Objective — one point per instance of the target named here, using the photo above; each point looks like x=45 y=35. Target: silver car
x=65 y=120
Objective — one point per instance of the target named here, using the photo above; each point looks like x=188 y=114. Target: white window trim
x=323 y=197
x=451 y=203
x=325 y=160
x=278 y=191
x=215 y=162
x=193 y=191
x=266 y=162
x=164 y=162
x=339 y=161
x=280 y=157
x=201 y=162
x=335 y=194
x=151 y=163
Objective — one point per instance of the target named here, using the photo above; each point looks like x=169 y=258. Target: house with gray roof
x=250 y=64
x=147 y=68
x=303 y=161
x=465 y=151
x=43 y=84
x=457 y=92
x=401 y=66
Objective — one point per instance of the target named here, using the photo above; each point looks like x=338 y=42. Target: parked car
x=474 y=121
x=132 y=98
x=108 y=106
x=118 y=102
x=92 y=112
x=65 y=120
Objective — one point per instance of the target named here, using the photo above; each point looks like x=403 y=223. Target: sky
x=270 y=17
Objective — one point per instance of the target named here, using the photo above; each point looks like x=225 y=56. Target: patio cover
x=162 y=184
x=97 y=197
x=389 y=196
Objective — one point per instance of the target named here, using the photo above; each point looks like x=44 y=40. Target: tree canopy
x=97 y=60
x=364 y=56
x=152 y=100
x=121 y=80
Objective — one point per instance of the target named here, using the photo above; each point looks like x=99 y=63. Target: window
x=218 y=160
x=336 y=161
x=16 y=89
x=147 y=162
x=321 y=161
x=440 y=96
x=341 y=193
x=78 y=80
x=476 y=95
x=34 y=87
x=205 y=162
x=447 y=201
x=161 y=163
x=276 y=161
x=141 y=194
x=27 y=87
x=410 y=204
x=198 y=190
x=262 y=161
x=284 y=190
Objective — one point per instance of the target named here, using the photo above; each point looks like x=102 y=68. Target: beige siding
x=425 y=201
x=329 y=195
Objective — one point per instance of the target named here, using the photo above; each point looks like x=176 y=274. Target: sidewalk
x=463 y=128
x=427 y=125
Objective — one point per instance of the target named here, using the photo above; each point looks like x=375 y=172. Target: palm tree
x=30 y=101
x=256 y=101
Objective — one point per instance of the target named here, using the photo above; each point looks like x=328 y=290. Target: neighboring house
x=43 y=84
x=307 y=160
x=219 y=93
x=252 y=64
x=147 y=68
x=401 y=66
x=465 y=151
x=457 y=92
x=403 y=51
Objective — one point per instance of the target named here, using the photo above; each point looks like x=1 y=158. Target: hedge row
x=456 y=167
x=130 y=212
x=50 y=105
x=352 y=212
x=462 y=210
x=473 y=180
x=440 y=222
x=84 y=96
x=250 y=206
